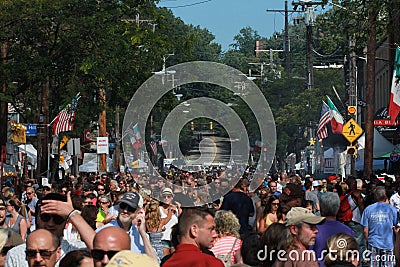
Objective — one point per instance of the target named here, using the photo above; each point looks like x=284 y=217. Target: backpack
x=345 y=213
x=226 y=258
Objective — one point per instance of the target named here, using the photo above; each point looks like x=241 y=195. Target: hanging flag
x=336 y=118
x=322 y=131
x=258 y=145
x=163 y=141
x=134 y=136
x=18 y=132
x=64 y=121
x=153 y=146
x=394 y=103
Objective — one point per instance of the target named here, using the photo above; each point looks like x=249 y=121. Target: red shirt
x=190 y=255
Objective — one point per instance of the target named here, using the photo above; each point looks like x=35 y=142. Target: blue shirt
x=380 y=218
x=325 y=231
x=137 y=244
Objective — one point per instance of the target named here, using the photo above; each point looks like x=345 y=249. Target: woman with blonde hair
x=342 y=251
x=31 y=200
x=155 y=226
x=15 y=220
x=227 y=246
x=169 y=214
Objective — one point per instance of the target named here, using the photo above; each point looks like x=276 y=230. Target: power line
x=188 y=5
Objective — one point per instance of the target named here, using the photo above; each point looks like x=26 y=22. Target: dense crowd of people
x=204 y=218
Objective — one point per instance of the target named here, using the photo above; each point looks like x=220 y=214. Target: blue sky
x=225 y=18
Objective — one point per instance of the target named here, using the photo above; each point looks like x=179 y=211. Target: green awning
x=386 y=155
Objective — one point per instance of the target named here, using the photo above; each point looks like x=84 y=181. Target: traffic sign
x=352 y=131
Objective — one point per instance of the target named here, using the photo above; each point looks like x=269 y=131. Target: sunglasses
x=64 y=191
x=6 y=249
x=46 y=189
x=124 y=206
x=98 y=254
x=275 y=204
x=57 y=219
x=29 y=193
x=100 y=189
x=105 y=202
x=44 y=253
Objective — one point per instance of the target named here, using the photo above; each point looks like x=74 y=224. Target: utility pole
x=3 y=113
x=43 y=132
x=139 y=21
x=117 y=140
x=352 y=91
x=45 y=148
x=370 y=96
x=103 y=128
x=309 y=21
x=3 y=103
x=286 y=43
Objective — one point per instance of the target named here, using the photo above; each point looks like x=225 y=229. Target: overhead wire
x=188 y=5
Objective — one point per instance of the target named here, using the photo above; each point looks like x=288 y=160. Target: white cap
x=316 y=183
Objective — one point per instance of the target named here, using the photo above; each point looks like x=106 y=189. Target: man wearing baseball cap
x=132 y=221
x=301 y=225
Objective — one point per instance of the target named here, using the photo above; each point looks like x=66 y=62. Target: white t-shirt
x=395 y=201
x=168 y=226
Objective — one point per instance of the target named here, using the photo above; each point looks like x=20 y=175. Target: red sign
x=90 y=136
x=385 y=123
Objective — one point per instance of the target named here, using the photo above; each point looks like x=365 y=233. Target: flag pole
x=338 y=97
x=76 y=97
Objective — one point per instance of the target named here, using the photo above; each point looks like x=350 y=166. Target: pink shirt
x=224 y=245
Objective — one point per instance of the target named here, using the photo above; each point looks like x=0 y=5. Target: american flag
x=153 y=146
x=322 y=131
x=64 y=121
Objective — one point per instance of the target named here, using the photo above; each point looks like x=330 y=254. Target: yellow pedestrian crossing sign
x=352 y=131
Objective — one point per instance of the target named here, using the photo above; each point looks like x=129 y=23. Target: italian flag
x=394 y=104
x=336 y=118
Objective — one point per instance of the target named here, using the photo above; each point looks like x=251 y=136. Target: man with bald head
x=108 y=242
x=42 y=248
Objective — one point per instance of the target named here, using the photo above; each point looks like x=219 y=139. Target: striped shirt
x=223 y=246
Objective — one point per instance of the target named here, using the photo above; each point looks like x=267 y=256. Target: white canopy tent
x=31 y=153
x=381 y=146
x=93 y=165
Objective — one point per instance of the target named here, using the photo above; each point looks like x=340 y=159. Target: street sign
x=31 y=129
x=352 y=131
x=102 y=145
x=352 y=110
